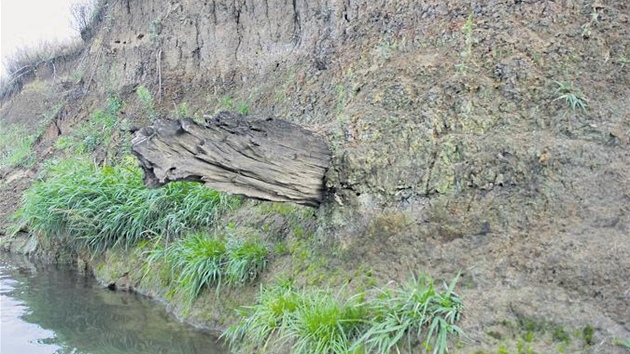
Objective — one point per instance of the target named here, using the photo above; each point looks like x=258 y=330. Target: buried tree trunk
x=267 y=159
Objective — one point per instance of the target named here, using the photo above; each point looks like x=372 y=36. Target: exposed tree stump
x=269 y=159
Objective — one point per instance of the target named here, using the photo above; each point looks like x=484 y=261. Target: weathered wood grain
x=268 y=159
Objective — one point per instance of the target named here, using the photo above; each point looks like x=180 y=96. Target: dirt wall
x=488 y=138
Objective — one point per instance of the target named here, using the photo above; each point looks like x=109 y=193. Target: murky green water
x=52 y=309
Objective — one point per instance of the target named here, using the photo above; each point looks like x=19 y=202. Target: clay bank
x=455 y=173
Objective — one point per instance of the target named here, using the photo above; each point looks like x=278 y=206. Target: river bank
x=486 y=140
x=51 y=308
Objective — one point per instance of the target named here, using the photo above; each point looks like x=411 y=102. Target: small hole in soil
x=117 y=42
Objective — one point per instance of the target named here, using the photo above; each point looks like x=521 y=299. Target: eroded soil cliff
x=488 y=138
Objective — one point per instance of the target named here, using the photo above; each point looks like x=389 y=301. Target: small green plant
x=341 y=98
x=469 y=41
x=96 y=132
x=198 y=260
x=529 y=336
x=180 y=111
x=314 y=322
x=243 y=108
x=16 y=147
x=245 y=260
x=574 y=98
x=467 y=29
x=66 y=143
x=560 y=335
x=228 y=103
x=325 y=324
x=195 y=262
x=155 y=29
x=275 y=307
x=503 y=349
x=588 y=333
x=522 y=348
x=146 y=99
x=416 y=310
x=622 y=343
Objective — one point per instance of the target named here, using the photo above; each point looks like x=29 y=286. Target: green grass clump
x=276 y=305
x=414 y=314
x=98 y=207
x=228 y=103
x=313 y=322
x=325 y=324
x=97 y=132
x=245 y=260
x=198 y=260
x=16 y=147
x=560 y=335
x=147 y=101
x=623 y=343
x=573 y=97
x=588 y=334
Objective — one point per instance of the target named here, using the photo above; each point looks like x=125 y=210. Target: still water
x=50 y=309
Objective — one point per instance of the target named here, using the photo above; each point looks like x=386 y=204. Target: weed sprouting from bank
x=147 y=101
x=276 y=305
x=246 y=260
x=101 y=131
x=415 y=311
x=98 y=207
x=195 y=262
x=316 y=322
x=15 y=147
x=573 y=97
x=325 y=324
x=623 y=343
x=198 y=260
x=413 y=315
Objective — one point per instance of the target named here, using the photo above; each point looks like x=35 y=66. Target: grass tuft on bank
x=199 y=260
x=99 y=207
x=413 y=315
x=15 y=147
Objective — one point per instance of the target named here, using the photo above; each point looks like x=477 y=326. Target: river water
x=51 y=309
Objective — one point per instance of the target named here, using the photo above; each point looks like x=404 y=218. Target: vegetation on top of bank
x=21 y=67
x=413 y=314
x=98 y=207
x=86 y=15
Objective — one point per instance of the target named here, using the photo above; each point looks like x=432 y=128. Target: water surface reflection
x=52 y=309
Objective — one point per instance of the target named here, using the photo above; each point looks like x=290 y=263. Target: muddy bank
x=488 y=139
